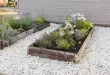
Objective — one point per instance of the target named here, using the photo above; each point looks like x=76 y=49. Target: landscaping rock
x=96 y=59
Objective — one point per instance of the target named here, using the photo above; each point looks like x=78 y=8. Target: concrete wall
x=97 y=11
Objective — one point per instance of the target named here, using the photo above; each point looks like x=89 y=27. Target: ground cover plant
x=20 y=24
x=4 y=18
x=5 y=30
x=10 y=26
x=69 y=37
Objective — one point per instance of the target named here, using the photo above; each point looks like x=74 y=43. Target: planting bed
x=14 y=39
x=60 y=55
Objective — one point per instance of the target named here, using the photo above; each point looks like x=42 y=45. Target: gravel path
x=96 y=59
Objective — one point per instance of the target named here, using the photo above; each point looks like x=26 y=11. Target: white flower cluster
x=78 y=16
x=68 y=25
x=75 y=17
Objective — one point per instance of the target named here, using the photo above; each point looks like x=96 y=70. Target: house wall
x=3 y=2
x=97 y=11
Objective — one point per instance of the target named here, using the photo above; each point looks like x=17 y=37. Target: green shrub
x=6 y=33
x=80 y=26
x=83 y=25
x=24 y=23
x=80 y=34
x=69 y=37
x=66 y=34
x=40 y=20
x=9 y=33
x=49 y=40
x=45 y=43
x=14 y=23
x=1 y=31
x=79 y=21
x=84 y=31
x=63 y=44
x=54 y=36
x=4 y=18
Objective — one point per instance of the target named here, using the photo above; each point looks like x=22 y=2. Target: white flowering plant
x=78 y=24
x=78 y=17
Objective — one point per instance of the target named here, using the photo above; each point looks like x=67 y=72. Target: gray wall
x=97 y=11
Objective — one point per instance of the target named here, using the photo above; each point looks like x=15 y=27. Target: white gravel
x=96 y=59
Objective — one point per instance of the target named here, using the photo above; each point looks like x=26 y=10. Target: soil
x=41 y=26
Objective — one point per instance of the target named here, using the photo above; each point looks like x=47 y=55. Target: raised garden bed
x=20 y=36
x=20 y=33
x=66 y=43
x=57 y=54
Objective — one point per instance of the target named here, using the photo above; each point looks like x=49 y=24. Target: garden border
x=17 y=37
x=59 y=55
x=20 y=36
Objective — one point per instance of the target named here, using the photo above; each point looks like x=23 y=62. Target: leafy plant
x=6 y=33
x=54 y=36
x=9 y=33
x=40 y=20
x=49 y=40
x=45 y=43
x=78 y=22
x=14 y=23
x=84 y=31
x=80 y=34
x=1 y=31
x=63 y=44
x=4 y=18
x=83 y=25
x=69 y=37
x=24 y=23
